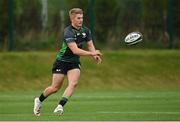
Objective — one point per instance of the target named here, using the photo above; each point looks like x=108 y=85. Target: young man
x=67 y=60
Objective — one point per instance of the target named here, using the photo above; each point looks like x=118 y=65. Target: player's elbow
x=75 y=51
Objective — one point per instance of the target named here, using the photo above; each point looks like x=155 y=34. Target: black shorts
x=63 y=67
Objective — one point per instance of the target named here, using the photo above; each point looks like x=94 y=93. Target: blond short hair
x=75 y=11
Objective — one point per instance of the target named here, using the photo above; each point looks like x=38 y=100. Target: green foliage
x=127 y=11
x=154 y=16
x=3 y=22
x=113 y=21
x=28 y=16
x=106 y=13
x=176 y=4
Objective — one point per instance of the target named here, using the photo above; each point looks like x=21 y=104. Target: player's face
x=77 y=20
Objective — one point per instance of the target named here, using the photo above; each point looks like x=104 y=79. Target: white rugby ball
x=133 y=38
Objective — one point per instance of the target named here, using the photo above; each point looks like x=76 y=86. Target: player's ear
x=72 y=17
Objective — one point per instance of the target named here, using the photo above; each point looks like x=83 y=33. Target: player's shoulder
x=68 y=30
x=85 y=28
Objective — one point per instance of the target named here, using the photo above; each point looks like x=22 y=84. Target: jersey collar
x=76 y=28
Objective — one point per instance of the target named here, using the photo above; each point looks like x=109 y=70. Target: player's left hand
x=98 y=59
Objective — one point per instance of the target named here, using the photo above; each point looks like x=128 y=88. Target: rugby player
x=67 y=61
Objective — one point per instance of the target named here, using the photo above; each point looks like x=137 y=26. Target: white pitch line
x=123 y=97
x=119 y=112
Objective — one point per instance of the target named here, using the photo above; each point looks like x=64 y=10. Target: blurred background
x=38 y=24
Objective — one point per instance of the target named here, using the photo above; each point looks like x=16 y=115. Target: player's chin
x=80 y=24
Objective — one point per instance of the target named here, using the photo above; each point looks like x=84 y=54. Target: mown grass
x=95 y=106
x=129 y=85
x=120 y=70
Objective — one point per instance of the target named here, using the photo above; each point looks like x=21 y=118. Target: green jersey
x=71 y=34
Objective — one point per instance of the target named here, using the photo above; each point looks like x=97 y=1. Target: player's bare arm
x=92 y=49
x=77 y=51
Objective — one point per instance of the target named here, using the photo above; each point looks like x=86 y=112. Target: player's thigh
x=57 y=80
x=73 y=75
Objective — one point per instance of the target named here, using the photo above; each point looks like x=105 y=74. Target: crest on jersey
x=84 y=35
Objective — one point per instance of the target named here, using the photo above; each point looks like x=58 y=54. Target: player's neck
x=76 y=27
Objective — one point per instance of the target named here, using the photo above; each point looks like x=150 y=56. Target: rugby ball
x=133 y=38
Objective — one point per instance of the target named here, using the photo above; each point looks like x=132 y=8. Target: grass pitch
x=95 y=106
x=138 y=85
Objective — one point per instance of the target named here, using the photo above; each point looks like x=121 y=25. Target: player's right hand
x=96 y=53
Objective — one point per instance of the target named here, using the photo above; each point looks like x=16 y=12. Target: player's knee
x=54 y=89
x=74 y=84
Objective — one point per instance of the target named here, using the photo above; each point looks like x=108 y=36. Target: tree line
x=109 y=21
